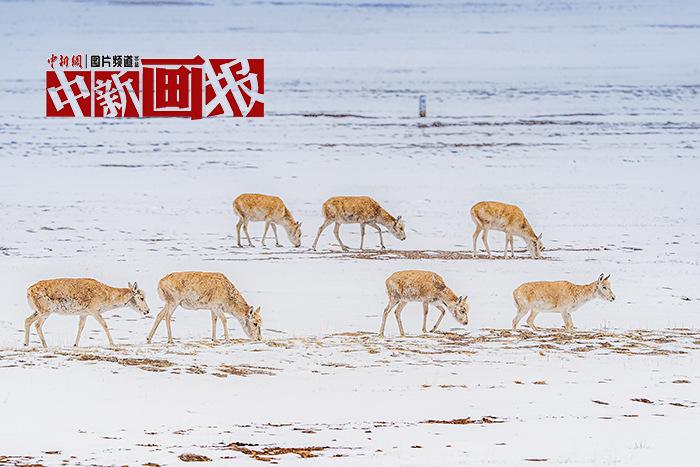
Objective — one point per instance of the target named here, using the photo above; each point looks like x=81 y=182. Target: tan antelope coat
x=206 y=291
x=427 y=287
x=361 y=210
x=492 y=215
x=254 y=207
x=557 y=297
x=79 y=297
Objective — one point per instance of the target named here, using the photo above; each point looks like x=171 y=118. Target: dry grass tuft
x=149 y=364
x=467 y=421
x=268 y=454
x=246 y=370
x=189 y=457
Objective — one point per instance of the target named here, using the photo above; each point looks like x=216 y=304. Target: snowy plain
x=584 y=113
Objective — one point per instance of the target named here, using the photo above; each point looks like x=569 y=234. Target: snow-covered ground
x=584 y=113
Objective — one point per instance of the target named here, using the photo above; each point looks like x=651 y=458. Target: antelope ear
x=257 y=310
x=298 y=224
x=130 y=285
x=398 y=219
x=539 y=237
x=601 y=277
x=459 y=299
x=607 y=277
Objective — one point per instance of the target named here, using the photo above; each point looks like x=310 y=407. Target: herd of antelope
x=214 y=292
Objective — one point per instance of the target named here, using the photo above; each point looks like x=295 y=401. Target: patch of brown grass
x=189 y=457
x=245 y=370
x=467 y=421
x=268 y=454
x=411 y=254
x=195 y=370
x=24 y=461
x=149 y=364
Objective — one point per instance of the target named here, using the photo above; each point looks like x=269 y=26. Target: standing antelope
x=206 y=291
x=427 y=287
x=361 y=210
x=557 y=297
x=492 y=215
x=81 y=297
x=268 y=209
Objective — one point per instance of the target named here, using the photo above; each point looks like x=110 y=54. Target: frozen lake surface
x=586 y=114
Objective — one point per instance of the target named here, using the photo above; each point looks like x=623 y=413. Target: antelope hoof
x=278 y=245
x=344 y=248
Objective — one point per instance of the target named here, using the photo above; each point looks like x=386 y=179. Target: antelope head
x=294 y=234
x=137 y=301
x=253 y=324
x=535 y=246
x=398 y=229
x=460 y=310
x=603 y=288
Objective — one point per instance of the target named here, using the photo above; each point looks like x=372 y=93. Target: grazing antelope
x=80 y=297
x=492 y=215
x=427 y=287
x=557 y=297
x=206 y=291
x=361 y=210
x=268 y=209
